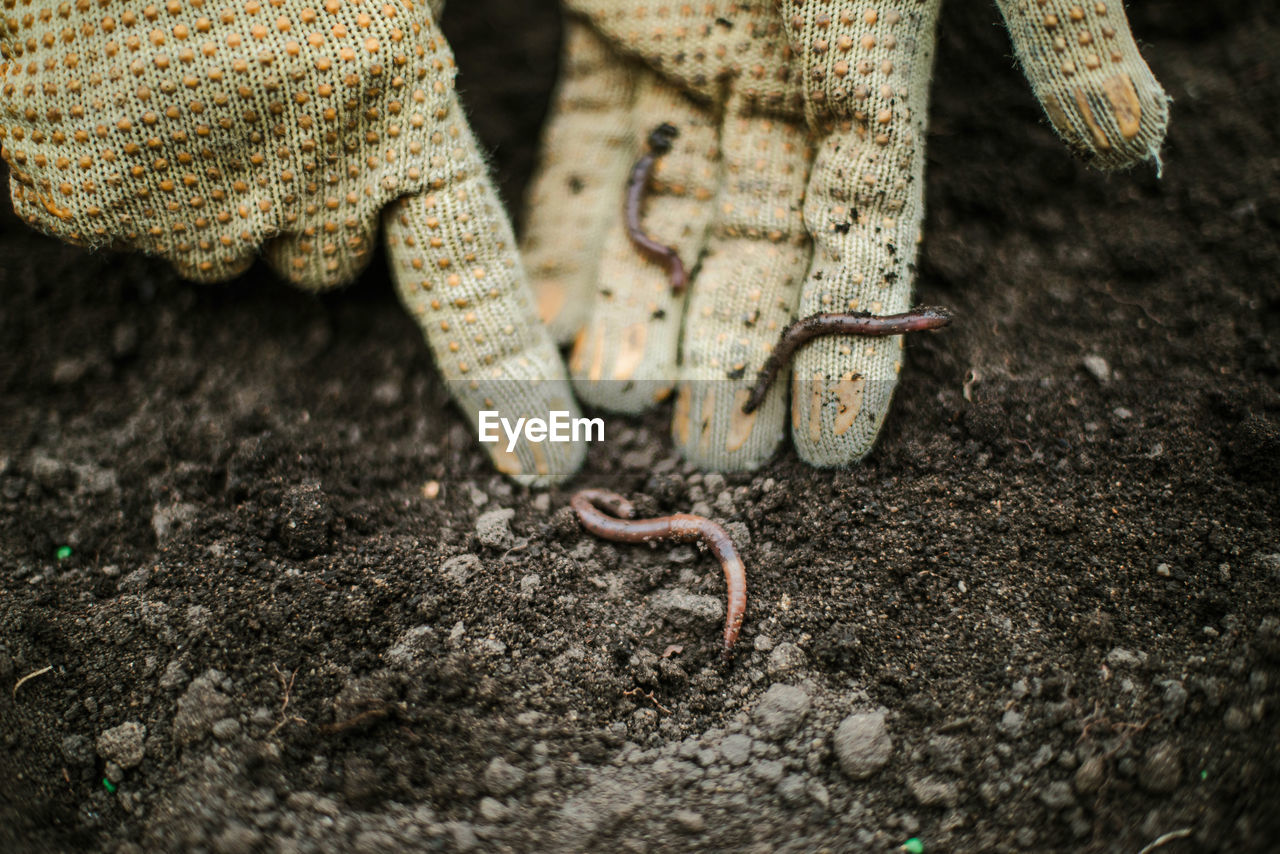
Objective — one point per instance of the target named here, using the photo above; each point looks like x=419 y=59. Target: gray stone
x=768 y=770
x=124 y=744
x=689 y=821
x=1175 y=698
x=792 y=789
x=493 y=810
x=77 y=750
x=174 y=676
x=1125 y=659
x=819 y=794
x=493 y=529
x=932 y=792
x=464 y=836
x=411 y=646
x=781 y=710
x=1097 y=366
x=686 y=610
x=736 y=749
x=501 y=777
x=596 y=810
x=460 y=568
x=199 y=708
x=1235 y=719
x=225 y=729
x=862 y=744
x=785 y=658
x=1057 y=795
x=1011 y=723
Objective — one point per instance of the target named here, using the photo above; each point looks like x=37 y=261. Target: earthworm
x=594 y=507
x=801 y=331
x=638 y=182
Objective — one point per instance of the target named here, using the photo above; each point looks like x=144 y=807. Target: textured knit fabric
x=795 y=186
x=207 y=132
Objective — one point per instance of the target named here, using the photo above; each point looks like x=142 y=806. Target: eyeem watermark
x=556 y=427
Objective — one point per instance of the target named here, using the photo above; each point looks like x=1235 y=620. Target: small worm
x=659 y=144
x=594 y=507
x=801 y=331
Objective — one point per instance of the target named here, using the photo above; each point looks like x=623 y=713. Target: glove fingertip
x=839 y=405
x=711 y=430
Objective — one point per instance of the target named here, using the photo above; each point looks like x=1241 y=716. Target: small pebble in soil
x=199 y=708
x=862 y=744
x=687 y=611
x=123 y=744
x=792 y=789
x=933 y=792
x=501 y=777
x=1057 y=795
x=781 y=710
x=689 y=821
x=412 y=646
x=77 y=750
x=736 y=749
x=464 y=836
x=460 y=568
x=225 y=729
x=1011 y=723
x=493 y=529
x=1097 y=367
x=786 y=658
x=493 y=810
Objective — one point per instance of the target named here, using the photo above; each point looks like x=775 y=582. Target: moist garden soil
x=1043 y=615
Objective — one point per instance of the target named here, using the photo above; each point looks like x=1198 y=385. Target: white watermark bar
x=558 y=427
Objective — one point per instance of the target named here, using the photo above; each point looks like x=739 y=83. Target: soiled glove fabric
x=796 y=184
x=207 y=131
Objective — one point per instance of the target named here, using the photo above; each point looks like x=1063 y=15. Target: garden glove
x=796 y=186
x=206 y=132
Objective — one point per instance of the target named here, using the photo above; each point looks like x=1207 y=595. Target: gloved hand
x=796 y=184
x=204 y=133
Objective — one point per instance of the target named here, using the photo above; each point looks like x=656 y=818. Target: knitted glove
x=795 y=185
x=207 y=132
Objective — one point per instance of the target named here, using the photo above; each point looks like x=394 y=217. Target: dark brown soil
x=1058 y=576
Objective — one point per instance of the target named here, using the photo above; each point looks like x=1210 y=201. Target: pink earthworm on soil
x=638 y=182
x=594 y=507
x=801 y=331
